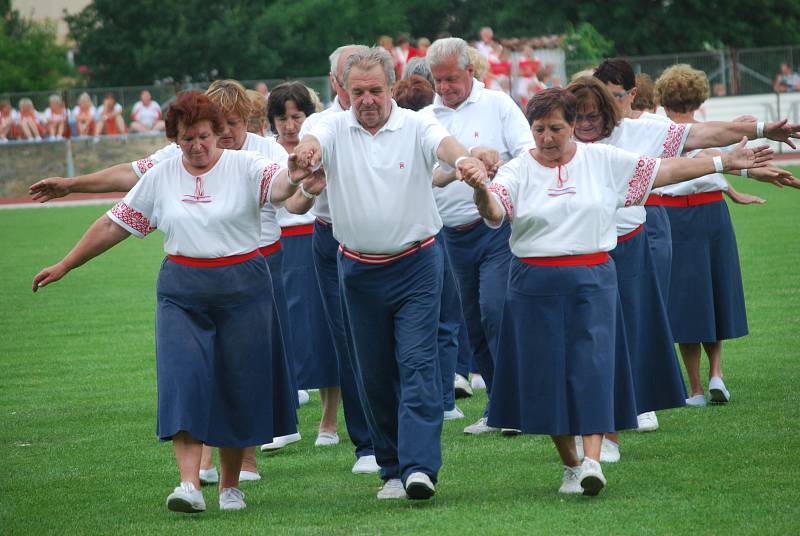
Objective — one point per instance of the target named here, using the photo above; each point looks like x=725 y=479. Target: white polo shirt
x=321 y=208
x=379 y=187
x=271 y=149
x=487 y=118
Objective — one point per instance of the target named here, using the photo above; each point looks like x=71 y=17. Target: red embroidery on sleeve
x=266 y=179
x=640 y=182
x=672 y=143
x=505 y=199
x=133 y=218
x=144 y=164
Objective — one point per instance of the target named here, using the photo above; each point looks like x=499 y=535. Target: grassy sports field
x=78 y=453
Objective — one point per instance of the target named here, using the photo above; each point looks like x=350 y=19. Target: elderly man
x=378 y=159
x=479 y=255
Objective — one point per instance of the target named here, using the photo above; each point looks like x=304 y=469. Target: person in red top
x=56 y=117
x=111 y=121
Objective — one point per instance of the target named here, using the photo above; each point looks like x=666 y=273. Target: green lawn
x=78 y=401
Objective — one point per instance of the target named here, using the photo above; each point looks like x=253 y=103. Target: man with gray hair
x=479 y=255
x=378 y=160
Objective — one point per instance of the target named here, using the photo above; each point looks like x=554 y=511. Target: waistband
x=691 y=200
x=588 y=259
x=630 y=235
x=378 y=258
x=297 y=230
x=467 y=226
x=266 y=251
x=213 y=263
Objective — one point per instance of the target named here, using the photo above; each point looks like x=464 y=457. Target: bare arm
x=118 y=178
x=449 y=151
x=100 y=237
x=741 y=198
x=301 y=203
x=720 y=133
x=674 y=170
x=488 y=207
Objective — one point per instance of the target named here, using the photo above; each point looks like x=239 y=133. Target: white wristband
x=718 y=164
x=760 y=129
x=306 y=194
x=291 y=182
x=743 y=173
x=459 y=159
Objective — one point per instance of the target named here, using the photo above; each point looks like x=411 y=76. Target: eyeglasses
x=621 y=95
x=593 y=117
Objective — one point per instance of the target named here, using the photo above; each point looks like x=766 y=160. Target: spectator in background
x=786 y=80
x=719 y=90
x=6 y=120
x=413 y=93
x=28 y=121
x=110 y=121
x=418 y=67
x=146 y=115
x=547 y=78
x=85 y=115
x=645 y=99
x=480 y=65
x=486 y=45
x=404 y=51
x=527 y=83
x=257 y=123
x=386 y=43
x=56 y=117
x=262 y=88
x=422 y=46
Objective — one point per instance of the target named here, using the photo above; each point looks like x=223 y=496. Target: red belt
x=212 y=263
x=633 y=233
x=378 y=258
x=297 y=230
x=684 y=201
x=323 y=222
x=266 y=251
x=467 y=226
x=589 y=259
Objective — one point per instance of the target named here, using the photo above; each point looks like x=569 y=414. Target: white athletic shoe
x=462 y=387
x=480 y=427
x=717 y=391
x=280 y=442
x=303 y=397
x=186 y=498
x=477 y=382
x=571 y=481
x=697 y=401
x=453 y=414
x=209 y=476
x=592 y=477
x=609 y=451
x=392 y=489
x=326 y=439
x=510 y=432
x=249 y=476
x=419 y=486
x=648 y=422
x=231 y=499
x=366 y=465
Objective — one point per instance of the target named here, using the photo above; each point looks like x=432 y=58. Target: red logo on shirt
x=402 y=165
x=199 y=196
x=477 y=135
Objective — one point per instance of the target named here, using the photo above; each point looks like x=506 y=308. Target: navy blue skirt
x=706 y=298
x=659 y=237
x=656 y=372
x=315 y=361
x=221 y=372
x=561 y=369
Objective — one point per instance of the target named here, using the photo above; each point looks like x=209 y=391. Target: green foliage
x=584 y=42
x=30 y=57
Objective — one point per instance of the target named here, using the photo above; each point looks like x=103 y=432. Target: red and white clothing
x=208 y=216
x=379 y=186
x=487 y=118
x=55 y=117
x=569 y=209
x=267 y=147
x=649 y=137
x=90 y=113
x=714 y=182
x=146 y=115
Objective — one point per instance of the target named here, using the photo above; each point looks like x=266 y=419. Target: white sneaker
x=477 y=382
x=209 y=476
x=366 y=465
x=510 y=432
x=249 y=476
x=592 y=478
x=231 y=499
x=280 y=442
x=419 y=486
x=571 y=481
x=392 y=489
x=462 y=387
x=303 y=397
x=648 y=422
x=609 y=451
x=697 y=401
x=326 y=439
x=186 y=498
x=480 y=427
x=717 y=392
x=453 y=414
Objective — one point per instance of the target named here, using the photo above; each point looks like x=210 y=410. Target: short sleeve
x=505 y=187
x=674 y=140
x=136 y=212
x=631 y=175
x=431 y=135
x=516 y=130
x=262 y=171
x=141 y=166
x=325 y=132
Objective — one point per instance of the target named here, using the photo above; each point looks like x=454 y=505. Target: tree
x=30 y=57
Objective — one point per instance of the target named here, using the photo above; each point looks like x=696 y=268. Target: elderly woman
x=706 y=300
x=213 y=288
x=559 y=371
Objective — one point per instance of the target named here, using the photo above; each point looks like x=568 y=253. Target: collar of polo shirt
x=474 y=96
x=394 y=122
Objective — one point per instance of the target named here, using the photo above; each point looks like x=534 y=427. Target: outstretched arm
x=100 y=237
x=674 y=170
x=721 y=134
x=118 y=178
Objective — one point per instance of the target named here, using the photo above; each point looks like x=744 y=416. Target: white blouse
x=213 y=215
x=569 y=209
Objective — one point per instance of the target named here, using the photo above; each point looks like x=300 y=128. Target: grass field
x=78 y=401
